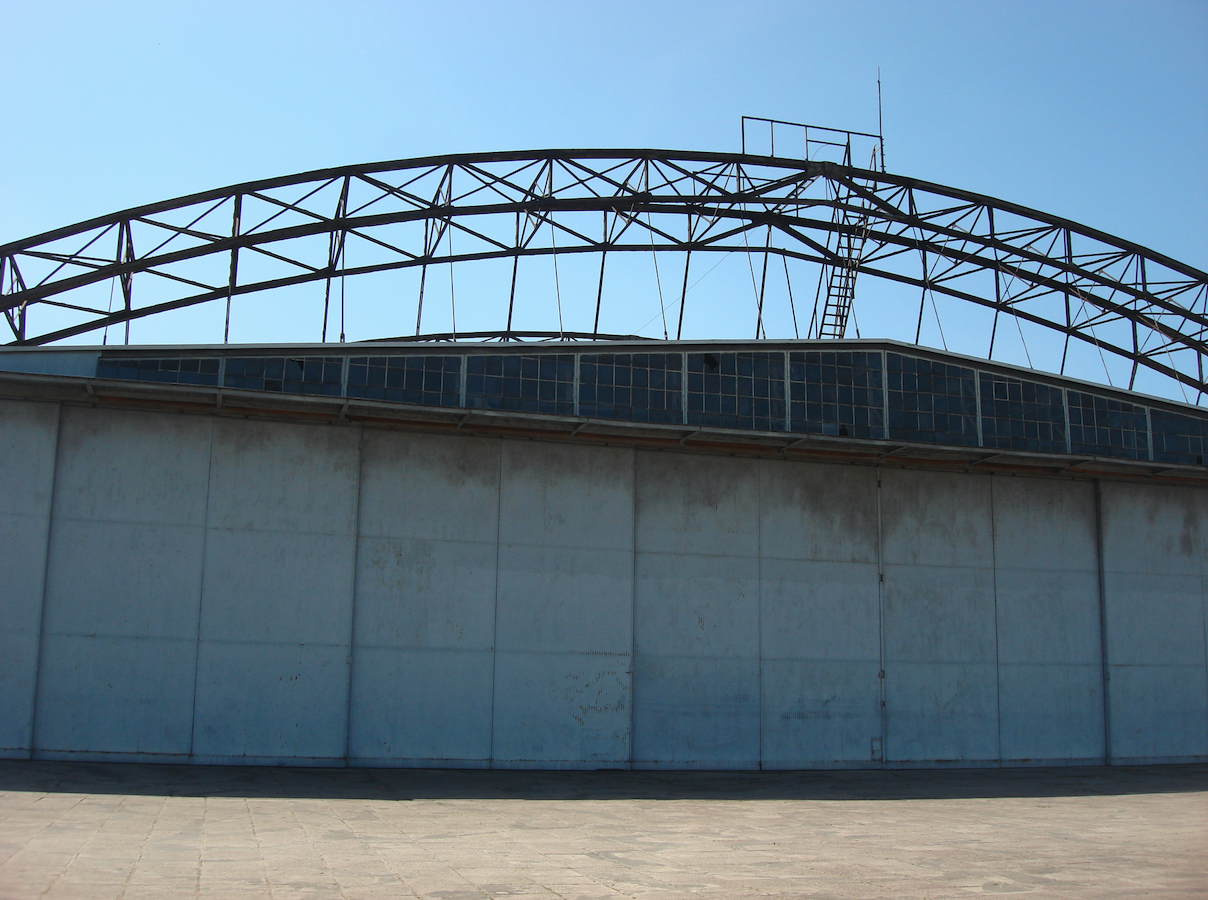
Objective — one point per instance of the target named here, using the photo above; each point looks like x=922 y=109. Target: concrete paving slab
x=125 y=831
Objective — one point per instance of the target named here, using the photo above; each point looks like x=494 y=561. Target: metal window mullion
x=463 y=371
x=788 y=395
x=344 y=377
x=1065 y=405
x=684 y=388
x=1149 y=433
x=884 y=395
x=977 y=400
x=575 y=390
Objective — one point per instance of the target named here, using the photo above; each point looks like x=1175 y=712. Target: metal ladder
x=841 y=277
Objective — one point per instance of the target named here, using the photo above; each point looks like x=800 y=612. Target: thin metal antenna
x=880 y=126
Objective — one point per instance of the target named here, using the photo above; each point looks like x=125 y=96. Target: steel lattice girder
x=1088 y=286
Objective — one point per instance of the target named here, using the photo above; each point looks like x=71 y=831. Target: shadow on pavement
x=430 y=784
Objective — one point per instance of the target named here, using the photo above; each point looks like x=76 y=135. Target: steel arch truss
x=1084 y=286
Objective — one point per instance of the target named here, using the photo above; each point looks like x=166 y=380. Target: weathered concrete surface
x=28 y=434
x=1046 y=583
x=1155 y=557
x=276 y=611
x=423 y=664
x=236 y=590
x=106 y=831
x=119 y=640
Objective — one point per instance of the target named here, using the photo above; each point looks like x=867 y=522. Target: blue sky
x=1093 y=111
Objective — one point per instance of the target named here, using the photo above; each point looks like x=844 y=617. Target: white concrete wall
x=231 y=590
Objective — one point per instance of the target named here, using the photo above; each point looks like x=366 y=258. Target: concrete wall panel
x=420 y=594
x=696 y=613
x=817 y=512
x=941 y=713
x=270 y=702
x=1051 y=712
x=697 y=504
x=565 y=605
x=940 y=668
x=28 y=435
x=555 y=599
x=821 y=658
x=1155 y=556
x=429 y=487
x=124 y=581
x=819 y=713
x=115 y=695
x=561 y=709
x=1047 y=599
x=276 y=620
x=277 y=587
x=701 y=606
x=421 y=706
x=423 y=660
x=695 y=713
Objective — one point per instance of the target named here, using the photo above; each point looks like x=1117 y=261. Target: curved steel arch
x=1087 y=286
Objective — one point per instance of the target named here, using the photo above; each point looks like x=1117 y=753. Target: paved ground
x=84 y=830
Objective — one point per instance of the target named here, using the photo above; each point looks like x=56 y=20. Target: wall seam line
x=633 y=602
x=495 y=609
x=201 y=587
x=881 y=710
x=352 y=616
x=994 y=595
x=1104 y=669
x=759 y=466
x=50 y=516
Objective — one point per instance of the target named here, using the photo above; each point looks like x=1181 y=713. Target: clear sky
x=1096 y=111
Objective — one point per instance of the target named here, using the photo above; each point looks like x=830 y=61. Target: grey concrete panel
x=429 y=487
x=1154 y=619
x=1044 y=525
x=23 y=566
x=936 y=519
x=425 y=594
x=565 y=600
x=1051 y=712
x=696 y=713
x=273 y=476
x=696 y=606
x=941 y=712
x=1158 y=713
x=270 y=701
x=817 y=512
x=124 y=579
x=115 y=695
x=1154 y=530
x=697 y=504
x=291 y=588
x=939 y=615
x=819 y=713
x=28 y=433
x=128 y=466
x=819 y=610
x=1048 y=616
x=421 y=705
x=558 y=496
x=561 y=709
